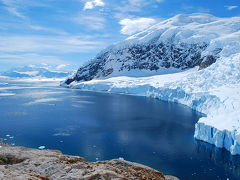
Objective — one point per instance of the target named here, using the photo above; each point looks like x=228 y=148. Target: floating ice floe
x=41 y=147
x=7 y=94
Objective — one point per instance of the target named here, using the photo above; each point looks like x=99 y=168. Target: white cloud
x=92 y=4
x=136 y=2
x=92 y=21
x=47 y=29
x=131 y=26
x=230 y=7
x=53 y=44
x=130 y=6
x=28 y=49
x=141 y=2
x=28 y=58
x=12 y=7
x=99 y=2
x=61 y=66
x=26 y=26
x=126 y=7
x=15 y=12
x=88 y=5
x=17 y=7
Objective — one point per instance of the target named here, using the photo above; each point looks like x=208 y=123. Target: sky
x=71 y=32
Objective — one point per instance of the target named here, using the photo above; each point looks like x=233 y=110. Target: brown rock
x=19 y=163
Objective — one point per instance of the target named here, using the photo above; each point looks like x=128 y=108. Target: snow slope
x=178 y=43
x=211 y=86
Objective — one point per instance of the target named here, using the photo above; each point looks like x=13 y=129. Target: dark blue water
x=101 y=126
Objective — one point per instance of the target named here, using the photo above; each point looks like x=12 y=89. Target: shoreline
x=26 y=163
x=210 y=102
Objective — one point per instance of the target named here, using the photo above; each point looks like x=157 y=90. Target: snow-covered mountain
x=35 y=71
x=173 y=45
x=194 y=60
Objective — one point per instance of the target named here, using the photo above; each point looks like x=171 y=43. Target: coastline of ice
x=214 y=91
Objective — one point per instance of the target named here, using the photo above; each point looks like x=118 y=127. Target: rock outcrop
x=17 y=163
x=151 y=57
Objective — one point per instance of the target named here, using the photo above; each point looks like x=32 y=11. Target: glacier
x=212 y=88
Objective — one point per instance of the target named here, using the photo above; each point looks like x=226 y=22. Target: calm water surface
x=100 y=126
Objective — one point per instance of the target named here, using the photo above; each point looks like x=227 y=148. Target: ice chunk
x=41 y=147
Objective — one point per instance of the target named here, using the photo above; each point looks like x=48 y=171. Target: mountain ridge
x=211 y=88
x=35 y=71
x=181 y=43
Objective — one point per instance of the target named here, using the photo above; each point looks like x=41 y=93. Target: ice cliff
x=189 y=59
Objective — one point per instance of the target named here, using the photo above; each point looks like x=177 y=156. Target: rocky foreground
x=20 y=163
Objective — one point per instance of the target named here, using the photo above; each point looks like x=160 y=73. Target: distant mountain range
x=35 y=71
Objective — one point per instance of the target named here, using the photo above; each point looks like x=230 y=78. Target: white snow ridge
x=189 y=59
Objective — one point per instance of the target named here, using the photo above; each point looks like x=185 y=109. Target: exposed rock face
x=150 y=57
x=23 y=163
x=175 y=44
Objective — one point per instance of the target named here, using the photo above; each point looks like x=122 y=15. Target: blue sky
x=73 y=31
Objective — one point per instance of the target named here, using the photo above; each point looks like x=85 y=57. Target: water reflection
x=220 y=157
x=101 y=126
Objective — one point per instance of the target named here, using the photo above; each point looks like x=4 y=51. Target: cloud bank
x=93 y=4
